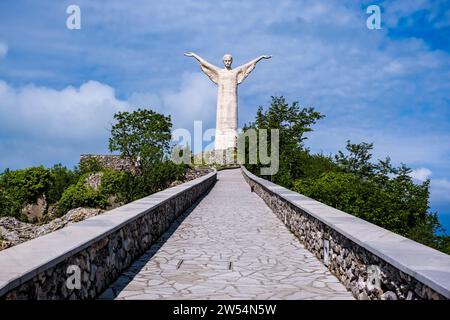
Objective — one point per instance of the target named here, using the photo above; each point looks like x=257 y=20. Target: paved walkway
x=231 y=246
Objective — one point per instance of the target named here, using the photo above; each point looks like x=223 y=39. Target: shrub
x=20 y=187
x=7 y=207
x=80 y=195
x=61 y=179
x=26 y=185
x=114 y=183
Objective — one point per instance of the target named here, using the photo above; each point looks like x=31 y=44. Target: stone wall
x=373 y=263
x=111 y=161
x=97 y=250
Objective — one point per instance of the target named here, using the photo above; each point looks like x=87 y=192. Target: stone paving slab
x=230 y=246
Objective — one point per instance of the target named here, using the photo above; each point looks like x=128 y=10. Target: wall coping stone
x=427 y=265
x=24 y=261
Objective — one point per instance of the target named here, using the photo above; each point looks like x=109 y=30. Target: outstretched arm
x=255 y=61
x=246 y=69
x=209 y=69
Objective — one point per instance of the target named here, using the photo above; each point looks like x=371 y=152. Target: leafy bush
x=80 y=195
x=26 y=185
x=162 y=174
x=364 y=199
x=155 y=179
x=7 y=206
x=112 y=182
x=125 y=186
x=61 y=179
x=20 y=187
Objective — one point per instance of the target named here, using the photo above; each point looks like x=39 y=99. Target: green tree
x=350 y=181
x=19 y=187
x=60 y=179
x=379 y=193
x=142 y=136
x=358 y=159
x=292 y=122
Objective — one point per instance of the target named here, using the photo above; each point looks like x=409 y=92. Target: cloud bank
x=45 y=125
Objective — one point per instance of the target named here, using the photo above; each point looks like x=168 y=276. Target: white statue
x=227 y=79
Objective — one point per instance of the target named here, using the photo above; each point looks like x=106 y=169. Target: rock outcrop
x=13 y=231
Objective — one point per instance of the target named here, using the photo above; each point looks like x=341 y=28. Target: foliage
x=61 y=179
x=358 y=161
x=145 y=136
x=142 y=135
x=25 y=185
x=8 y=207
x=112 y=182
x=292 y=123
x=80 y=195
x=19 y=187
x=90 y=165
x=160 y=176
x=350 y=181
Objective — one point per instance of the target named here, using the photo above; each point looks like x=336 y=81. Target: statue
x=227 y=79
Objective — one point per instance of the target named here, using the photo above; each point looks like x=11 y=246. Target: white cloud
x=44 y=125
x=421 y=174
x=70 y=113
x=39 y=123
x=195 y=99
x=427 y=148
x=3 y=49
x=440 y=191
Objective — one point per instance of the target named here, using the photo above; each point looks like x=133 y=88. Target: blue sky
x=59 y=88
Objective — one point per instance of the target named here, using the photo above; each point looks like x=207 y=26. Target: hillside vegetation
x=351 y=181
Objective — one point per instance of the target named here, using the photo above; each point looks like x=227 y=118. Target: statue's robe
x=227 y=104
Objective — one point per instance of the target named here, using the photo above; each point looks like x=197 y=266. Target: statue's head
x=227 y=60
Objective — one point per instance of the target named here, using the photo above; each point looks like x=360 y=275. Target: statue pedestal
x=226 y=157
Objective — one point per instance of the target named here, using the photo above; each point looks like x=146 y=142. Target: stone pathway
x=231 y=246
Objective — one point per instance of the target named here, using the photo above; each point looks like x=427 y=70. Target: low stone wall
x=81 y=260
x=372 y=262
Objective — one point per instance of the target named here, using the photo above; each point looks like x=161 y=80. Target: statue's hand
x=189 y=54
